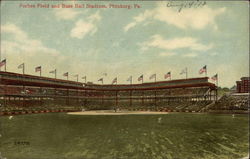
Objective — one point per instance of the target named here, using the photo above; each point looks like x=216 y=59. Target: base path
x=111 y=112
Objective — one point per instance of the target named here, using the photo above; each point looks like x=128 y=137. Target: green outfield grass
x=169 y=136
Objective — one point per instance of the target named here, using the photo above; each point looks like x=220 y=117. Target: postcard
x=83 y=79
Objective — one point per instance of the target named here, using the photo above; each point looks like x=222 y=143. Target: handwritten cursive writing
x=188 y=4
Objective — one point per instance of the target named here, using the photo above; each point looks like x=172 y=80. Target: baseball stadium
x=45 y=117
x=33 y=94
x=129 y=79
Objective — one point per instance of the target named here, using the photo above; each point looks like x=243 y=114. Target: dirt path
x=110 y=112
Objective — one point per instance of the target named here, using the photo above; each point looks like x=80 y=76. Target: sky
x=154 y=38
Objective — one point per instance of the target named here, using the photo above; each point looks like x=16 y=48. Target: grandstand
x=232 y=103
x=33 y=94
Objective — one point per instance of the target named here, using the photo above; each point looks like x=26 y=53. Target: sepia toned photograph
x=136 y=79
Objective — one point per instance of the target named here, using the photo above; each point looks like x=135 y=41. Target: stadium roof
x=181 y=83
x=9 y=78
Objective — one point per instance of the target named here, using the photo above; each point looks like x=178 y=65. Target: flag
x=203 y=69
x=84 y=77
x=54 y=71
x=114 y=80
x=183 y=71
x=215 y=77
x=20 y=66
x=167 y=75
x=76 y=77
x=66 y=74
x=140 y=78
x=129 y=79
x=3 y=62
x=152 y=76
x=104 y=74
x=101 y=79
x=38 y=69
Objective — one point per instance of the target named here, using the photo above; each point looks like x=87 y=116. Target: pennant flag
x=76 y=77
x=38 y=69
x=101 y=79
x=3 y=62
x=129 y=79
x=140 y=78
x=21 y=66
x=104 y=74
x=215 y=77
x=183 y=71
x=66 y=74
x=153 y=76
x=114 y=80
x=84 y=77
x=54 y=71
x=167 y=75
x=203 y=69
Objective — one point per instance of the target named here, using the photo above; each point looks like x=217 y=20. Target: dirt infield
x=111 y=112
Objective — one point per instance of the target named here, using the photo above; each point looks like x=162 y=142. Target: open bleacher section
x=232 y=103
x=31 y=94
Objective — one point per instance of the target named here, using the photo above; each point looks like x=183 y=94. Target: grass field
x=168 y=136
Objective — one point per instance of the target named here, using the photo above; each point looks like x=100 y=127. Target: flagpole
x=23 y=68
x=217 y=80
x=217 y=87
x=5 y=65
x=206 y=71
x=55 y=73
x=186 y=73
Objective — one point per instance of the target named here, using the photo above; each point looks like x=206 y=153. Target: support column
x=116 y=99
x=130 y=100
x=216 y=94
x=142 y=98
x=102 y=97
x=67 y=100
x=85 y=97
x=155 y=99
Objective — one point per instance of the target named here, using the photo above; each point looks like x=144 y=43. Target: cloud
x=21 y=43
x=18 y=47
x=213 y=54
x=65 y=13
x=130 y=25
x=84 y=27
x=191 y=55
x=195 y=18
x=167 y=54
x=157 y=41
x=94 y=17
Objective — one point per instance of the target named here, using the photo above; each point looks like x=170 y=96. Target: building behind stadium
x=243 y=86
